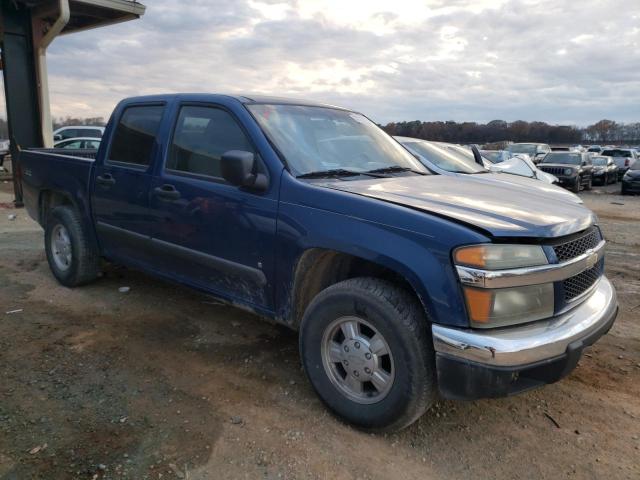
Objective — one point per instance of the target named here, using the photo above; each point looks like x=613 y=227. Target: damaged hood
x=500 y=211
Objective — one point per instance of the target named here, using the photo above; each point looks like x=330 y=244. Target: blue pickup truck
x=403 y=285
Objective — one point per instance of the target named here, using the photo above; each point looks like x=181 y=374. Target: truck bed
x=55 y=170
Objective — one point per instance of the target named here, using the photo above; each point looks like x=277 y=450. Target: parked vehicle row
x=403 y=284
x=454 y=160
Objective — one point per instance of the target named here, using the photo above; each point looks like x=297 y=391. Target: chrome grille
x=578 y=284
x=573 y=248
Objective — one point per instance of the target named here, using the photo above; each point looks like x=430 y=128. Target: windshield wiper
x=396 y=168
x=337 y=172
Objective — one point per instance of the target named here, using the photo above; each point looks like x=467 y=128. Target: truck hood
x=498 y=211
x=516 y=183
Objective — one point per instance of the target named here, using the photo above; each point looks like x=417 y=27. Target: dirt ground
x=161 y=382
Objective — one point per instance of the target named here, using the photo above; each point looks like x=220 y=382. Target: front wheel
x=366 y=348
x=72 y=256
x=575 y=188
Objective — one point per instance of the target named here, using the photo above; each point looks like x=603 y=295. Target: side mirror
x=239 y=168
x=57 y=138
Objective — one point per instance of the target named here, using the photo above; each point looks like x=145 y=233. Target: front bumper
x=474 y=364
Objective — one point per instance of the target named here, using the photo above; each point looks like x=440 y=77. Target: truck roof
x=242 y=98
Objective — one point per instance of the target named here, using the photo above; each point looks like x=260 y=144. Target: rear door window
x=135 y=135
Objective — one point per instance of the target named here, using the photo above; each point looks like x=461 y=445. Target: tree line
x=604 y=131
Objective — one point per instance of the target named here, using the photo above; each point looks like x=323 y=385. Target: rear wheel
x=72 y=256
x=366 y=348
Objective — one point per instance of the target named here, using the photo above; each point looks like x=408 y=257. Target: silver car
x=453 y=160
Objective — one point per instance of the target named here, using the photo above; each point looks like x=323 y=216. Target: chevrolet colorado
x=403 y=285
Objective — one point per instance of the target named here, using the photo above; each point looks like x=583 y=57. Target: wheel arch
x=319 y=268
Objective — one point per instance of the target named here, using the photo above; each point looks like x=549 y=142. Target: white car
x=77 y=131
x=82 y=143
x=521 y=164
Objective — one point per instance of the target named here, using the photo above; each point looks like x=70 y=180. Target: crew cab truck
x=403 y=285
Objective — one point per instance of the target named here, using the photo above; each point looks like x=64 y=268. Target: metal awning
x=86 y=14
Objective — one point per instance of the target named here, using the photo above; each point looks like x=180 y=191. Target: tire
x=73 y=261
x=589 y=184
x=575 y=188
x=380 y=307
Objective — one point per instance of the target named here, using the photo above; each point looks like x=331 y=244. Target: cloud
x=557 y=61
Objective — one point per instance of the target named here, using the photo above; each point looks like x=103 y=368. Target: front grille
x=578 y=284
x=571 y=249
x=552 y=170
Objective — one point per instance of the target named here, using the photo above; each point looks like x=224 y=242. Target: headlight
x=509 y=306
x=488 y=308
x=568 y=171
x=500 y=257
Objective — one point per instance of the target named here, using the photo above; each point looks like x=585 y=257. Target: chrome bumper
x=527 y=344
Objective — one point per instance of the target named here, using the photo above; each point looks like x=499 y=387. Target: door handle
x=167 y=192
x=106 y=179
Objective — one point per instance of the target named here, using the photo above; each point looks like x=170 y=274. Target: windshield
x=522 y=148
x=616 y=153
x=561 y=157
x=447 y=157
x=599 y=160
x=494 y=156
x=318 y=139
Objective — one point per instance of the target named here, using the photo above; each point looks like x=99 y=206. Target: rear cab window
x=135 y=135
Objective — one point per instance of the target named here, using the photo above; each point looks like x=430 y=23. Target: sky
x=563 y=62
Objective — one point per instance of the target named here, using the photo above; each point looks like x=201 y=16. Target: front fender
x=416 y=246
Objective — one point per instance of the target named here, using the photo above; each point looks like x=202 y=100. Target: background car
x=73 y=131
x=573 y=169
x=605 y=169
x=623 y=157
x=536 y=151
x=82 y=143
x=631 y=180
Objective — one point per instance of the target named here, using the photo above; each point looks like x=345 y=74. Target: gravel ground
x=161 y=382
